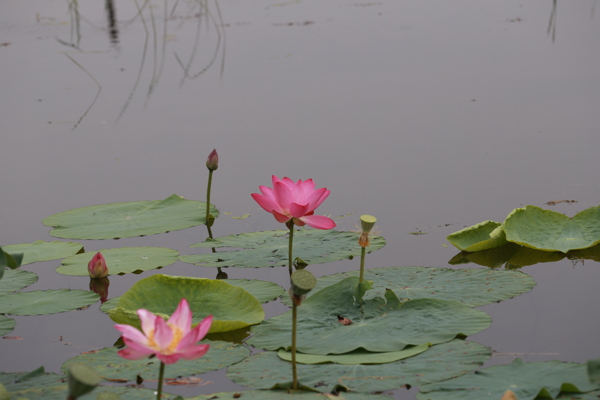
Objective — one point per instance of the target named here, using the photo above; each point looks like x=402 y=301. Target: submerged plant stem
x=294 y=321
x=362 y=264
x=161 y=374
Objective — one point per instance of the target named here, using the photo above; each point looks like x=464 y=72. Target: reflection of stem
x=161 y=374
x=208 y=201
x=75 y=27
x=552 y=22
x=294 y=323
x=363 y=251
x=95 y=98
x=291 y=239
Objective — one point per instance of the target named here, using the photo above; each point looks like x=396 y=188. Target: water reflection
x=100 y=286
x=552 y=23
x=514 y=256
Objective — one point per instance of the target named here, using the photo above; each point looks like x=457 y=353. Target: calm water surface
x=431 y=116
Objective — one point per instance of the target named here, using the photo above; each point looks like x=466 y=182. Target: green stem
x=291 y=226
x=208 y=202
x=294 y=372
x=362 y=264
x=161 y=374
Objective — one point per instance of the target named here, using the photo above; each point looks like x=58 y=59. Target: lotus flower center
x=170 y=349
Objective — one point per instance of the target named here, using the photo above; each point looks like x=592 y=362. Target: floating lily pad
x=511 y=255
x=474 y=287
x=56 y=387
x=44 y=251
x=128 y=219
x=355 y=357
x=264 y=291
x=485 y=235
x=6 y=325
x=270 y=248
x=113 y=367
x=121 y=261
x=548 y=230
x=378 y=325
x=440 y=362
x=16 y=279
x=284 y=395
x=41 y=302
x=526 y=380
x=231 y=307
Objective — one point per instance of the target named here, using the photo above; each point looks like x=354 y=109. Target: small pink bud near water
x=97 y=267
x=212 y=162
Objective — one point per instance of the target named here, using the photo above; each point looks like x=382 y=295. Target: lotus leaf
x=44 y=251
x=121 y=261
x=526 y=380
x=595 y=395
x=359 y=356
x=270 y=248
x=17 y=279
x=464 y=285
x=231 y=307
x=593 y=369
x=284 y=395
x=6 y=325
x=40 y=302
x=55 y=387
x=511 y=255
x=113 y=367
x=440 y=362
x=485 y=235
x=378 y=325
x=548 y=230
x=128 y=219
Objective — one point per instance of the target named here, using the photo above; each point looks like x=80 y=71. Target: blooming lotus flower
x=212 y=162
x=97 y=267
x=170 y=340
x=296 y=201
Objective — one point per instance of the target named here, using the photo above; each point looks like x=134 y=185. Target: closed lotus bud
x=97 y=267
x=212 y=163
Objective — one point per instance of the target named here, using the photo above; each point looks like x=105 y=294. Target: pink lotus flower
x=97 y=267
x=170 y=340
x=297 y=201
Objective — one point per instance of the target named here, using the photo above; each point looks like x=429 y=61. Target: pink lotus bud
x=97 y=267
x=212 y=163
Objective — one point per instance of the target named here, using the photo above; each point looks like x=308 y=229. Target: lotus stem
x=161 y=374
x=210 y=172
x=294 y=324
x=363 y=251
x=290 y=223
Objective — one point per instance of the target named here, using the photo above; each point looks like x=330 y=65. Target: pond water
x=432 y=116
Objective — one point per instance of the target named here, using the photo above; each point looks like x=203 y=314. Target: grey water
x=431 y=116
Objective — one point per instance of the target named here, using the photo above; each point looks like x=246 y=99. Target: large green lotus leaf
x=473 y=287
x=121 y=261
x=6 y=325
x=548 y=230
x=284 y=395
x=270 y=248
x=595 y=395
x=485 y=235
x=526 y=380
x=113 y=367
x=231 y=307
x=40 y=302
x=56 y=387
x=264 y=291
x=128 y=219
x=16 y=279
x=378 y=325
x=359 y=356
x=440 y=362
x=44 y=251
